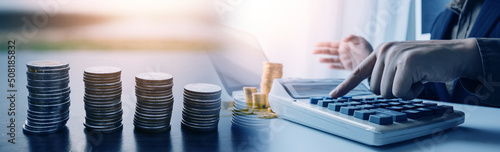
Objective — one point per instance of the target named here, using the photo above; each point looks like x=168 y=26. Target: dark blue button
x=381 y=119
x=354 y=103
x=336 y=106
x=429 y=104
x=419 y=105
x=413 y=114
x=358 y=99
x=342 y=100
x=394 y=100
x=397 y=116
x=324 y=103
x=416 y=101
x=394 y=103
x=349 y=110
x=438 y=111
x=314 y=100
x=328 y=98
x=346 y=97
x=363 y=114
x=406 y=107
x=395 y=108
x=406 y=102
x=366 y=106
x=370 y=102
x=369 y=98
x=380 y=105
x=447 y=109
x=382 y=100
x=425 y=112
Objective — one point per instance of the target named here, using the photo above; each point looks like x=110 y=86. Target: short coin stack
x=48 y=99
x=270 y=72
x=154 y=102
x=244 y=117
x=249 y=91
x=103 y=106
x=202 y=104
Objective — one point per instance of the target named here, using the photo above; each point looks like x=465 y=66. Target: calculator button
x=363 y=114
x=395 y=108
x=381 y=119
x=328 y=98
x=406 y=107
x=324 y=103
x=342 y=100
x=394 y=103
x=406 y=102
x=438 y=111
x=397 y=116
x=416 y=101
x=447 y=109
x=314 y=100
x=419 y=105
x=354 y=103
x=425 y=112
x=429 y=104
x=336 y=106
x=413 y=114
x=349 y=110
x=366 y=106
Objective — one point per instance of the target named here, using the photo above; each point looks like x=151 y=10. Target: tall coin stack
x=154 y=102
x=270 y=72
x=103 y=106
x=202 y=104
x=48 y=99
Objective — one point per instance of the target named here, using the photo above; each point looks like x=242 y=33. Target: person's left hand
x=346 y=54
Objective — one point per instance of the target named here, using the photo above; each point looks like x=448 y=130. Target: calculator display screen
x=317 y=88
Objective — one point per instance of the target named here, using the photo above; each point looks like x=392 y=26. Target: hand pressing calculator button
x=370 y=120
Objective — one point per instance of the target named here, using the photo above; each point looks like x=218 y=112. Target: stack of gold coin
x=270 y=72
x=248 y=96
x=259 y=100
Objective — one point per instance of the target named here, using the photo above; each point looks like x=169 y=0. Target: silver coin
x=46 y=76
x=64 y=82
x=47 y=64
x=198 y=128
x=103 y=70
x=153 y=77
x=152 y=129
x=54 y=107
x=105 y=79
x=39 y=131
x=203 y=88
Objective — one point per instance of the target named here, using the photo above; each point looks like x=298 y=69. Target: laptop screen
x=239 y=62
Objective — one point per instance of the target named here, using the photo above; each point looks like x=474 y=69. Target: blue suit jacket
x=486 y=26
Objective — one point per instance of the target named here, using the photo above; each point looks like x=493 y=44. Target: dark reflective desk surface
x=481 y=131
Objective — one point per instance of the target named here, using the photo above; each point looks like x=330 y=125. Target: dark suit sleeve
x=487 y=86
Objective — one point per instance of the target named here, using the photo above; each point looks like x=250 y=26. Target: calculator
x=360 y=115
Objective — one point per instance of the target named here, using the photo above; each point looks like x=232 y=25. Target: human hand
x=399 y=69
x=347 y=53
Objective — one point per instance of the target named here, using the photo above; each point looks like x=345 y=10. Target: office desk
x=480 y=132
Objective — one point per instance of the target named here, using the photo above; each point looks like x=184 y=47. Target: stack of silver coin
x=103 y=106
x=154 y=102
x=48 y=99
x=202 y=104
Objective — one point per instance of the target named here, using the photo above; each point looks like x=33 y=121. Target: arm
x=486 y=85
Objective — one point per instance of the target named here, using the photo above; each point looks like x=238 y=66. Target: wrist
x=472 y=60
